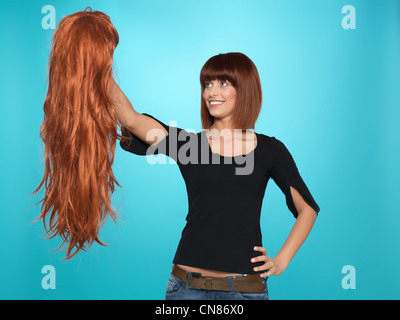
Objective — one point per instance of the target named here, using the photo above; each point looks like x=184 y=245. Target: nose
x=213 y=91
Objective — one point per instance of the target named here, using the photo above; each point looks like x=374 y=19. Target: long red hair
x=79 y=131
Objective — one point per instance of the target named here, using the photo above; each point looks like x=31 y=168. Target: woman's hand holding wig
x=79 y=131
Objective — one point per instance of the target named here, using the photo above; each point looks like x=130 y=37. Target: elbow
x=308 y=212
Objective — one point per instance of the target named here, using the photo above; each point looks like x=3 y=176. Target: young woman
x=220 y=254
x=226 y=166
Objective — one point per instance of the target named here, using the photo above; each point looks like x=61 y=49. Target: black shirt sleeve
x=285 y=174
x=168 y=146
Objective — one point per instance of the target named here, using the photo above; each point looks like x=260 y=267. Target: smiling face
x=220 y=97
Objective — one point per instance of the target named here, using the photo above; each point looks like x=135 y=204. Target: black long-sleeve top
x=225 y=199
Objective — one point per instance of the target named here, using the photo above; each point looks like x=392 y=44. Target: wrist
x=281 y=261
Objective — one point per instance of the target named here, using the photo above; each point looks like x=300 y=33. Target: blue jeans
x=179 y=290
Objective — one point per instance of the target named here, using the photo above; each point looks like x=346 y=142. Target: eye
x=224 y=83
x=207 y=84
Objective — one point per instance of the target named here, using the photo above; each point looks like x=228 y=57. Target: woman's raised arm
x=132 y=120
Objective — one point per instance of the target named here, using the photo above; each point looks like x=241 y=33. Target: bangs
x=219 y=68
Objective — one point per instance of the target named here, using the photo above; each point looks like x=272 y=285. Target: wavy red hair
x=79 y=131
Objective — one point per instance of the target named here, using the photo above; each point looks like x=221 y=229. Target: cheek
x=231 y=94
x=204 y=96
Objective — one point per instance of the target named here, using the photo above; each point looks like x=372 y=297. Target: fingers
x=266 y=274
x=261 y=249
x=268 y=266
x=262 y=258
x=265 y=266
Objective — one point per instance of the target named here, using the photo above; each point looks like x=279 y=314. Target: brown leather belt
x=248 y=283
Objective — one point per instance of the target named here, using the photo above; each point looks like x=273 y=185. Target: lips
x=216 y=103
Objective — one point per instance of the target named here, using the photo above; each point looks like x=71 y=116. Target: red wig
x=239 y=70
x=79 y=131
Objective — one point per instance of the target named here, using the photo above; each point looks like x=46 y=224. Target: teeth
x=216 y=102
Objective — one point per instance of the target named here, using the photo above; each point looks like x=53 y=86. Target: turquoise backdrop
x=331 y=94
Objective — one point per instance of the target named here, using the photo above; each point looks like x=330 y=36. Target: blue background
x=331 y=95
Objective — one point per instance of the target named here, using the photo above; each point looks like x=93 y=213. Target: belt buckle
x=189 y=277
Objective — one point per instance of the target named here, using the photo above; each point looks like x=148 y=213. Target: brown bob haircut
x=242 y=73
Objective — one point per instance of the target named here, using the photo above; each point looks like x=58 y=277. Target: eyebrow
x=205 y=81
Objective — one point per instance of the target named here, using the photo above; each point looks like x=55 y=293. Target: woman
x=220 y=254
